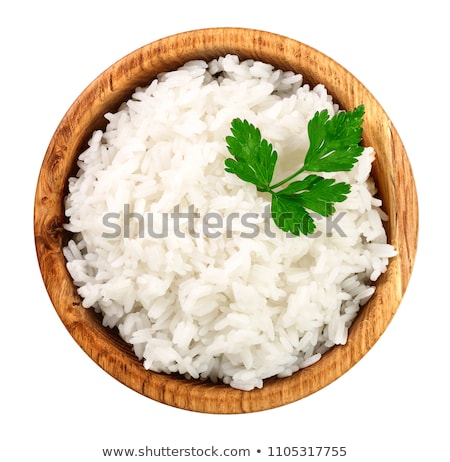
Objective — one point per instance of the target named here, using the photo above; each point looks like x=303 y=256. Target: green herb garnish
x=334 y=147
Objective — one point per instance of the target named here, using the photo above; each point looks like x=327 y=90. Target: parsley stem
x=290 y=177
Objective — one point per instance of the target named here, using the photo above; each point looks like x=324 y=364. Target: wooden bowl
x=391 y=170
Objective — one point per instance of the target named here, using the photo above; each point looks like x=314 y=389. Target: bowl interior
x=391 y=171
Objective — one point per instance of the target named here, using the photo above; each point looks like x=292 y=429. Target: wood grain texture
x=392 y=173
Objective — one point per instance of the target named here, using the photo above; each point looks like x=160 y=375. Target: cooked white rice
x=224 y=307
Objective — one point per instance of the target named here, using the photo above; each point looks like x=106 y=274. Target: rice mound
x=224 y=306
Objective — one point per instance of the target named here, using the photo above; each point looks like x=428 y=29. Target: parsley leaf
x=255 y=158
x=290 y=216
x=317 y=194
x=334 y=143
x=334 y=146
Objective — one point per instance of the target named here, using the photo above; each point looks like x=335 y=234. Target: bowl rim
x=110 y=88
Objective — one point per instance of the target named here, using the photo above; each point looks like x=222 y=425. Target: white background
x=57 y=404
